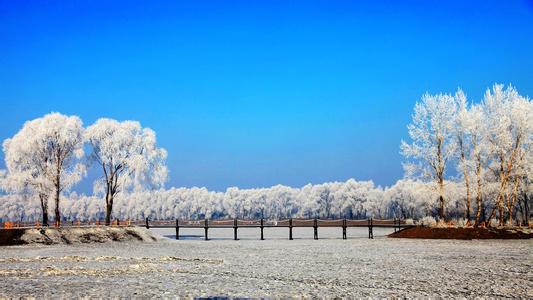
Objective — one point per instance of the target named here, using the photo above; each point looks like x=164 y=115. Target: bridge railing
x=207 y=224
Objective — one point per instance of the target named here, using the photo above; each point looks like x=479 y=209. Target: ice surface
x=275 y=267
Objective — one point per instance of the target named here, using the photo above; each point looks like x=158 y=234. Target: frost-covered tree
x=410 y=199
x=432 y=146
x=43 y=158
x=474 y=153
x=128 y=157
x=462 y=136
x=509 y=132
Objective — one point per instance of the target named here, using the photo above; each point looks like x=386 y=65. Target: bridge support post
x=177 y=229
x=262 y=226
x=315 y=229
x=290 y=229
x=394 y=220
x=399 y=224
x=235 y=229
x=370 y=229
x=147 y=225
x=344 y=229
x=206 y=227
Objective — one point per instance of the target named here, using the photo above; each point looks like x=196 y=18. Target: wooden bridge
x=207 y=224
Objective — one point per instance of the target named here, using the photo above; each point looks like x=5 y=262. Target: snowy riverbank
x=275 y=267
x=74 y=235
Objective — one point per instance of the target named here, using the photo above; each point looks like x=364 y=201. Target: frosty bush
x=460 y=223
x=494 y=223
x=428 y=221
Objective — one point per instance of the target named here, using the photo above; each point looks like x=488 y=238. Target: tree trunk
x=526 y=209
x=58 y=190
x=500 y=212
x=441 y=198
x=467 y=181
x=468 y=202
x=108 y=211
x=479 y=208
x=478 y=191
x=512 y=200
x=44 y=208
x=57 y=214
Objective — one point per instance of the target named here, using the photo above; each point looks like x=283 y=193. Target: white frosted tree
x=128 y=157
x=462 y=135
x=43 y=158
x=476 y=162
x=432 y=146
x=509 y=131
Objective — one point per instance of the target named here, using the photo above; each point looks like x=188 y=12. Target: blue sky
x=257 y=93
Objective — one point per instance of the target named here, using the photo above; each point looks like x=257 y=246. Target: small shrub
x=428 y=221
x=494 y=223
x=461 y=223
x=443 y=224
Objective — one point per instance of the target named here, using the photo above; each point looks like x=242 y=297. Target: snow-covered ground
x=274 y=267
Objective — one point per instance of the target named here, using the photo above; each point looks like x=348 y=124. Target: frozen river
x=275 y=267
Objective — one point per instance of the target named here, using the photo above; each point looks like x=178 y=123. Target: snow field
x=276 y=267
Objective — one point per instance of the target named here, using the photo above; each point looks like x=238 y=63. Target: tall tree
x=462 y=136
x=509 y=132
x=128 y=157
x=43 y=158
x=432 y=146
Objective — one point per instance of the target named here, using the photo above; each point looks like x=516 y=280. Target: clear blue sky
x=257 y=93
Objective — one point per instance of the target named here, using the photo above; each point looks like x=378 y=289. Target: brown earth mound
x=420 y=232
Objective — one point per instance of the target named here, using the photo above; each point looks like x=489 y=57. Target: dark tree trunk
x=58 y=191
x=45 y=218
x=44 y=209
x=108 y=211
x=441 y=208
x=57 y=214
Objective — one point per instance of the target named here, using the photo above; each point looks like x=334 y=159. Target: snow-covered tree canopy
x=432 y=134
x=489 y=142
x=128 y=157
x=42 y=157
x=127 y=154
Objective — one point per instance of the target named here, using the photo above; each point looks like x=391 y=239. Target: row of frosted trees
x=48 y=156
x=468 y=160
x=485 y=145
x=351 y=199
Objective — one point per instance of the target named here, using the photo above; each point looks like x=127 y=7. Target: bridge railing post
x=235 y=226
x=371 y=228
x=290 y=229
x=344 y=228
x=262 y=226
x=315 y=229
x=147 y=225
x=206 y=227
x=399 y=224
x=177 y=229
